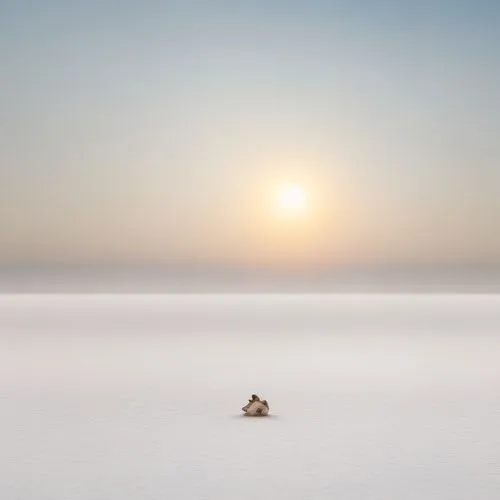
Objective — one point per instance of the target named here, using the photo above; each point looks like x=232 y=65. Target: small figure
x=256 y=407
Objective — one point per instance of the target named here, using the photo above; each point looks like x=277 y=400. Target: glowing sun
x=291 y=199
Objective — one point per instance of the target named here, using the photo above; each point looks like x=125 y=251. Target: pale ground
x=139 y=397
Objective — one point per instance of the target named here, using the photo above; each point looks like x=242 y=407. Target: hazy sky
x=158 y=131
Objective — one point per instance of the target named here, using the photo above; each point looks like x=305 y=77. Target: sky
x=159 y=132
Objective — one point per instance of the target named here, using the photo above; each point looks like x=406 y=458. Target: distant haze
x=141 y=144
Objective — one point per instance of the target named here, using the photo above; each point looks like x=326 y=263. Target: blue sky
x=148 y=131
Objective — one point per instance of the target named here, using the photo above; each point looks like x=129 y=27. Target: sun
x=291 y=199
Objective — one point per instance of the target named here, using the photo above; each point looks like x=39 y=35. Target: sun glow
x=291 y=199
x=289 y=221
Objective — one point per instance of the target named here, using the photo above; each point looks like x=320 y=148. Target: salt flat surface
x=138 y=397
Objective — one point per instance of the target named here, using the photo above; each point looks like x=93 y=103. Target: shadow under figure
x=256 y=407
